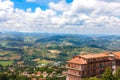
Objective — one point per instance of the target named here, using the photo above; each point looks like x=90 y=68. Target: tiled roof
x=77 y=61
x=82 y=58
x=117 y=54
x=88 y=56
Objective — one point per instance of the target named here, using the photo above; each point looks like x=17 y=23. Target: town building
x=89 y=65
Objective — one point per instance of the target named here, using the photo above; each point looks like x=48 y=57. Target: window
x=88 y=66
x=100 y=65
x=68 y=65
x=82 y=73
x=94 y=60
x=101 y=71
x=79 y=73
x=75 y=66
x=75 y=72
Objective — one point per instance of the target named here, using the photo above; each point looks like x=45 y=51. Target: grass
x=6 y=63
x=4 y=43
x=43 y=62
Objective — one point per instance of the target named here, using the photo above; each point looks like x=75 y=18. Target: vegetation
x=28 y=47
x=117 y=74
x=92 y=78
x=28 y=73
x=6 y=63
x=108 y=75
x=33 y=52
x=13 y=77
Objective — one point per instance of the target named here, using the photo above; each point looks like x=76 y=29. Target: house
x=89 y=65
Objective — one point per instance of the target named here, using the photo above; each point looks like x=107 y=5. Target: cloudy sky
x=61 y=16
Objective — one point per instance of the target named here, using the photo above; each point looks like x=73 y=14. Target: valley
x=42 y=48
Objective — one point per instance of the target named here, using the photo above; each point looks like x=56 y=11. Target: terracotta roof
x=88 y=56
x=117 y=54
x=81 y=58
x=77 y=61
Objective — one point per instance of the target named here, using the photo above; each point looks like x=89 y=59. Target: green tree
x=94 y=78
x=117 y=74
x=107 y=75
x=91 y=78
x=3 y=77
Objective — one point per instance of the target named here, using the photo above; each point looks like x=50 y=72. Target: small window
x=68 y=65
x=82 y=73
x=79 y=73
x=101 y=71
x=88 y=66
x=94 y=60
x=100 y=65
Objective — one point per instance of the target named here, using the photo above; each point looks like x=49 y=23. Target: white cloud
x=110 y=0
x=30 y=0
x=83 y=5
x=61 y=6
x=81 y=16
x=6 y=5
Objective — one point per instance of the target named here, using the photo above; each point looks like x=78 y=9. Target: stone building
x=89 y=65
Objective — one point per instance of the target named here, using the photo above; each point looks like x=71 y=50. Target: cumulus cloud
x=80 y=16
x=61 y=6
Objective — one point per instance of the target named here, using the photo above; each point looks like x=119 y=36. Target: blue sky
x=43 y=4
x=61 y=16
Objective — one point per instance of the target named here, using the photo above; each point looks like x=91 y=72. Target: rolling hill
x=52 y=47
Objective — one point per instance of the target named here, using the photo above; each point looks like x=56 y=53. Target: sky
x=61 y=16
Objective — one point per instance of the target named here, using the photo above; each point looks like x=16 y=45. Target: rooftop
x=81 y=58
x=117 y=54
x=88 y=56
x=78 y=61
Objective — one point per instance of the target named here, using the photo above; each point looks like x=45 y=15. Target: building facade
x=90 y=65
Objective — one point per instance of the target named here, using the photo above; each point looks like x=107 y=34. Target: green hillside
x=39 y=48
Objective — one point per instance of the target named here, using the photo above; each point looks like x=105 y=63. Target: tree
x=3 y=77
x=117 y=74
x=107 y=75
x=94 y=78
x=91 y=78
